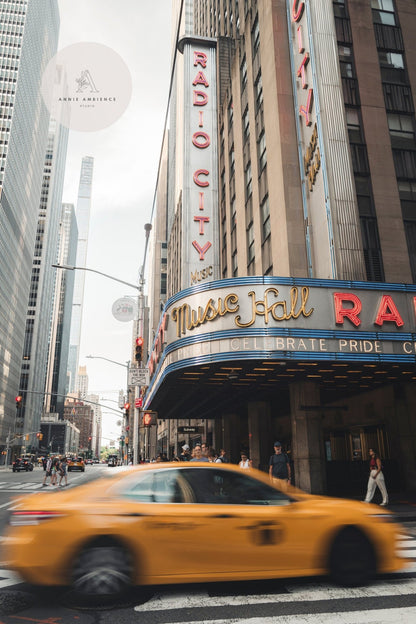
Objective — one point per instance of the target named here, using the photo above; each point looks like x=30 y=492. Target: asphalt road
x=390 y=599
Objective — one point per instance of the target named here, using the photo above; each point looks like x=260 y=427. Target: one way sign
x=139 y=377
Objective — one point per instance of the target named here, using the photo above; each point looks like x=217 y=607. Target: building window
x=339 y=8
x=246 y=125
x=407 y=193
x=401 y=126
x=258 y=85
x=371 y=248
x=232 y=161
x=353 y=125
x=250 y=243
x=261 y=149
x=405 y=163
x=243 y=73
x=255 y=37
x=383 y=12
x=410 y=230
x=230 y=114
x=234 y=264
x=265 y=218
x=248 y=181
x=392 y=60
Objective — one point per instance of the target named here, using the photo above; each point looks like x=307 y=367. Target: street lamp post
x=69 y=267
x=140 y=320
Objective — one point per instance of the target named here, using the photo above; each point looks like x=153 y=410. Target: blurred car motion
x=193 y=522
x=22 y=463
x=76 y=463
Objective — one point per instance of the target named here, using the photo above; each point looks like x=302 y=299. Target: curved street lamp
x=69 y=267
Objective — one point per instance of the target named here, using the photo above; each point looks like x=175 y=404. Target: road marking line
x=11 y=502
x=298 y=593
x=7 y=578
x=380 y=616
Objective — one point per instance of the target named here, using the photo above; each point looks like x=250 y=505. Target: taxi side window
x=155 y=487
x=220 y=487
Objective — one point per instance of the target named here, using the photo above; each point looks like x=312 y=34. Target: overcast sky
x=126 y=156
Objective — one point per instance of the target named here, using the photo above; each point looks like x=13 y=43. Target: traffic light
x=138 y=356
x=18 y=400
x=149 y=418
x=39 y=436
x=27 y=437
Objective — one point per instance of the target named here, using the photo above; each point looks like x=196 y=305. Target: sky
x=126 y=156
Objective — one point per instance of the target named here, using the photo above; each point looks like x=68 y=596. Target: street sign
x=139 y=377
x=190 y=429
x=138 y=402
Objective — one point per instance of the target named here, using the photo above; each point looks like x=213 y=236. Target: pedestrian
x=198 y=457
x=376 y=479
x=245 y=462
x=184 y=456
x=48 y=471
x=62 y=472
x=279 y=467
x=54 y=477
x=222 y=457
x=212 y=455
x=205 y=449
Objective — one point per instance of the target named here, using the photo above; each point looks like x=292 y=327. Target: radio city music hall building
x=289 y=219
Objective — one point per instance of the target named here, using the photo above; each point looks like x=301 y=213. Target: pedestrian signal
x=149 y=418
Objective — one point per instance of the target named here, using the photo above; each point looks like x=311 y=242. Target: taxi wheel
x=102 y=571
x=352 y=559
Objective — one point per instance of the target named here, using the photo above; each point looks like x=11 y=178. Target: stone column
x=259 y=431
x=307 y=439
x=231 y=430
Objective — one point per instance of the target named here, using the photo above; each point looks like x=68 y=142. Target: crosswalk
x=390 y=600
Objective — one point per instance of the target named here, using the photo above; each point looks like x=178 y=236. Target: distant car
x=22 y=463
x=112 y=460
x=76 y=463
x=133 y=527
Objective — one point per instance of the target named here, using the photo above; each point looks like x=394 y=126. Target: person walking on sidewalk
x=376 y=479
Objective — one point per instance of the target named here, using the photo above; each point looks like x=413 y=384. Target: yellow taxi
x=76 y=463
x=139 y=526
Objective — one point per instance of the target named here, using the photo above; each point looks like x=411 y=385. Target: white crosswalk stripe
x=401 y=586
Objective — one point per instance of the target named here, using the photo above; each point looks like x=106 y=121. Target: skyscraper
x=28 y=40
x=83 y=220
x=41 y=296
x=61 y=317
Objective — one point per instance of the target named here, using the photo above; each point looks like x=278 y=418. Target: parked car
x=76 y=463
x=133 y=527
x=22 y=463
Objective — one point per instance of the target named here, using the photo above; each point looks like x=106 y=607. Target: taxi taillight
x=26 y=518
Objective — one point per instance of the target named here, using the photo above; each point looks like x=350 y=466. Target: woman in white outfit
x=245 y=461
x=376 y=479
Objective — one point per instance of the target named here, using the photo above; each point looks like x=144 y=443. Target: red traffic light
x=139 y=341
x=126 y=406
x=18 y=399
